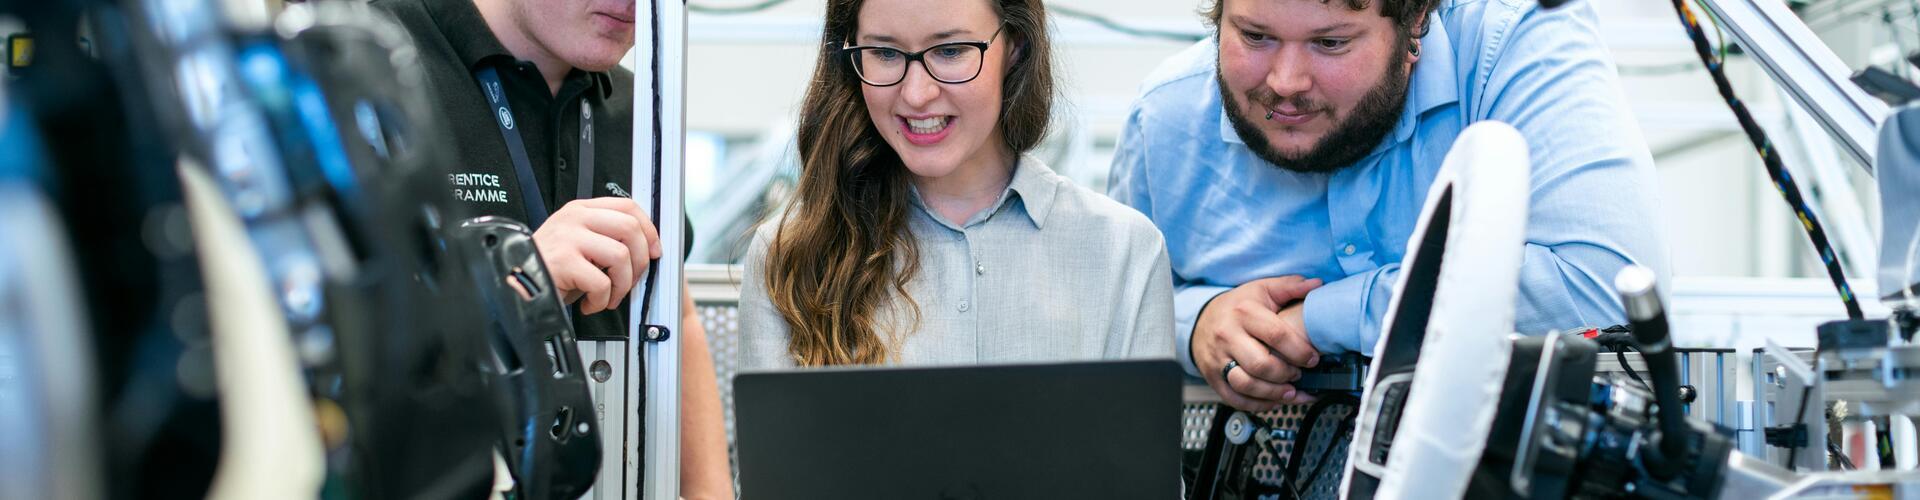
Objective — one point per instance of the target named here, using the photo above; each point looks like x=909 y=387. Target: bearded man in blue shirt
x=1287 y=158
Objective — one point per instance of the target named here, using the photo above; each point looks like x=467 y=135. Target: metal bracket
x=1807 y=70
x=657 y=333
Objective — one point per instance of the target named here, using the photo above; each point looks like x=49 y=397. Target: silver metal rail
x=1807 y=70
x=668 y=82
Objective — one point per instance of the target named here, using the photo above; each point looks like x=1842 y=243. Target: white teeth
x=928 y=125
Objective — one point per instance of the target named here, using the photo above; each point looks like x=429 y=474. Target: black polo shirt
x=454 y=42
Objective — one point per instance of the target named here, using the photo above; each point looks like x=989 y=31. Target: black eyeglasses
x=951 y=62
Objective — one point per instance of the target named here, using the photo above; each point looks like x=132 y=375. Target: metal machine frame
x=644 y=431
x=1807 y=70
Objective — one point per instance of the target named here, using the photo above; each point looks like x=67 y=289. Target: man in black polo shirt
x=518 y=81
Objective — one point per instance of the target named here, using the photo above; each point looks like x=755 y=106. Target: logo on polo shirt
x=484 y=188
x=615 y=188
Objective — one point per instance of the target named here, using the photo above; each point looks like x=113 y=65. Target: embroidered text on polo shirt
x=477 y=187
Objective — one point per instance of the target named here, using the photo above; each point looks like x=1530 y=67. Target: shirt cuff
x=1333 y=315
x=1187 y=304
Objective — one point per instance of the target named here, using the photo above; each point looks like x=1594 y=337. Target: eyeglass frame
x=853 y=52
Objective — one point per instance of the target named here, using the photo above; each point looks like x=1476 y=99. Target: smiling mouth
x=627 y=20
x=926 y=131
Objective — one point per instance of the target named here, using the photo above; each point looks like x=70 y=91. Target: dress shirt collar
x=1034 y=183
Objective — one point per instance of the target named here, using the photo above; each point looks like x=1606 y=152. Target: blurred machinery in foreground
x=235 y=274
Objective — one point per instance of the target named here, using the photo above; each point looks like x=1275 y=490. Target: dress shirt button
x=979 y=269
x=1348 y=250
x=965 y=305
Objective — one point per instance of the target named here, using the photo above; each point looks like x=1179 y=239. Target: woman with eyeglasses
x=920 y=233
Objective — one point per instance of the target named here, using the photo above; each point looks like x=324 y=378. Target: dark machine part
x=1525 y=454
x=1648 y=318
x=548 y=435
x=113 y=182
x=1886 y=86
x=1562 y=432
x=1296 y=452
x=1226 y=464
x=48 y=416
x=1344 y=372
x=318 y=137
x=368 y=162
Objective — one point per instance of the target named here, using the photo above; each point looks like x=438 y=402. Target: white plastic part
x=1463 y=359
x=1898 y=175
x=50 y=439
x=270 y=443
x=1859 y=441
x=1906 y=448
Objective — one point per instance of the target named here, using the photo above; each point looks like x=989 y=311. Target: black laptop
x=1076 y=430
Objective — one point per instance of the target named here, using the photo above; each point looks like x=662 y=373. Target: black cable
x=1840 y=456
x=1290 y=475
x=1619 y=339
x=734 y=9
x=1110 y=24
x=1782 y=180
x=1320 y=462
x=653 y=266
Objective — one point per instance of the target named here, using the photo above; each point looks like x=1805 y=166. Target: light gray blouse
x=1050 y=272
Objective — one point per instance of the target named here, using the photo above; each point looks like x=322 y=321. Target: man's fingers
x=1286 y=289
x=582 y=277
x=1237 y=400
x=604 y=252
x=1257 y=361
x=1294 y=347
x=1251 y=387
x=623 y=227
x=1282 y=338
x=632 y=208
x=612 y=261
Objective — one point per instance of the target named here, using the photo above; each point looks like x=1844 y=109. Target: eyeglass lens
x=949 y=63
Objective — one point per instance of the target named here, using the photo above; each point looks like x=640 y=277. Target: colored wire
x=1782 y=179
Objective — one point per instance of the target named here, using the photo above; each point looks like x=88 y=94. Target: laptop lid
x=1078 y=430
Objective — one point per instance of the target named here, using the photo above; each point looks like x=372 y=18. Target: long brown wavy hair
x=841 y=249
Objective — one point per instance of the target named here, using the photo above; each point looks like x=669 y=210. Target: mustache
x=1267 y=99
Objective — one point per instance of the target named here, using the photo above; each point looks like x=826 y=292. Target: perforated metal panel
x=722 y=323
x=1270 y=464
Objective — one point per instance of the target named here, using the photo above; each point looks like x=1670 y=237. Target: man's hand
x=597 y=249
x=1257 y=325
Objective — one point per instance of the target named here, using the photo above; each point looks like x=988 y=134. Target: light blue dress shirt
x=1230 y=217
